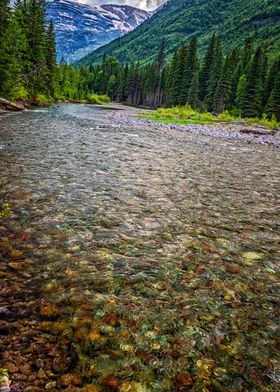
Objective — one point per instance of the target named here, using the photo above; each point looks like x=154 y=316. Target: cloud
x=144 y=4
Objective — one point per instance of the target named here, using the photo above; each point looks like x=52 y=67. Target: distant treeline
x=244 y=81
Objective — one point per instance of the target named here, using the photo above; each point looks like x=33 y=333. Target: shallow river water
x=155 y=252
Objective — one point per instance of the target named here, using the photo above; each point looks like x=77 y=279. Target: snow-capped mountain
x=81 y=28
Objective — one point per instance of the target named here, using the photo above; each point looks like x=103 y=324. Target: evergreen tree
x=273 y=106
x=241 y=88
x=223 y=90
x=170 y=71
x=161 y=54
x=207 y=67
x=252 y=102
x=11 y=61
x=178 y=93
x=193 y=95
x=51 y=60
x=5 y=14
x=36 y=36
x=214 y=75
x=270 y=79
x=246 y=56
x=190 y=68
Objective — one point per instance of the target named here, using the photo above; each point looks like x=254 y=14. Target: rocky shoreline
x=234 y=132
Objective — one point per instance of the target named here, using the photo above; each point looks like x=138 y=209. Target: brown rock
x=16 y=266
x=70 y=379
x=16 y=254
x=233 y=268
x=184 y=379
x=20 y=377
x=6 y=355
x=49 y=311
x=26 y=369
x=41 y=373
x=256 y=131
x=112 y=382
x=90 y=388
x=32 y=377
x=39 y=363
x=70 y=388
x=11 y=367
x=59 y=365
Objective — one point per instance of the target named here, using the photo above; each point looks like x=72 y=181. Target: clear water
x=156 y=252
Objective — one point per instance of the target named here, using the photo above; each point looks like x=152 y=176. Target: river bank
x=130 y=116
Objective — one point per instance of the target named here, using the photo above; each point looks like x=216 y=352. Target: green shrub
x=42 y=99
x=186 y=115
x=98 y=99
x=19 y=93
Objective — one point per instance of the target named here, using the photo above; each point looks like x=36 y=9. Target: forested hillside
x=179 y=20
x=244 y=81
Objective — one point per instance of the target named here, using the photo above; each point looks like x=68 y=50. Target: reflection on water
x=156 y=252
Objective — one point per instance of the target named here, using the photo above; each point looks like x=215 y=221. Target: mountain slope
x=81 y=28
x=178 y=20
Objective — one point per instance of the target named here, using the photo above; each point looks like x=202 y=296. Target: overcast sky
x=144 y=4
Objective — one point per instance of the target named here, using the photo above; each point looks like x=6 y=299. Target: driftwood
x=10 y=105
x=258 y=131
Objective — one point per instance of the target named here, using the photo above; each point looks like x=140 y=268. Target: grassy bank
x=91 y=98
x=187 y=115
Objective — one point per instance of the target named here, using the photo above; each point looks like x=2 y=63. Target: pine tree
x=246 y=56
x=170 y=71
x=190 y=68
x=193 y=95
x=179 y=94
x=5 y=14
x=223 y=90
x=51 y=60
x=215 y=74
x=161 y=54
x=36 y=36
x=11 y=61
x=241 y=88
x=252 y=102
x=207 y=67
x=235 y=75
x=273 y=106
x=270 y=79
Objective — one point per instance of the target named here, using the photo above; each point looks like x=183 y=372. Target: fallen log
x=10 y=105
x=258 y=132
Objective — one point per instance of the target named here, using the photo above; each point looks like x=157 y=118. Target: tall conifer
x=253 y=95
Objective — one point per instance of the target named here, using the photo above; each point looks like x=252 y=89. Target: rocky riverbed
x=131 y=116
x=137 y=258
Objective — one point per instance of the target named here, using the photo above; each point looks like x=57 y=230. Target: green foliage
x=19 y=93
x=42 y=99
x=273 y=106
x=98 y=99
x=231 y=84
x=179 y=20
x=251 y=105
x=186 y=114
x=5 y=210
x=27 y=52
